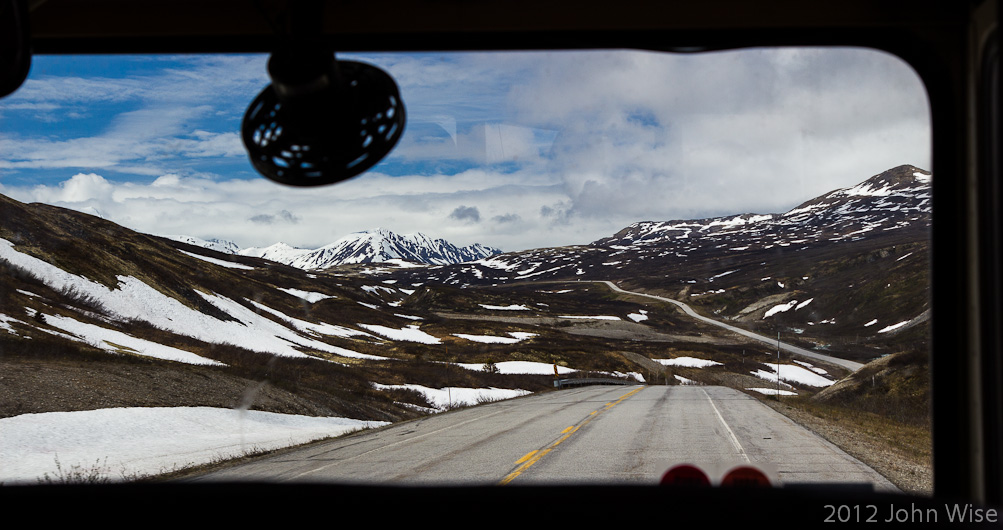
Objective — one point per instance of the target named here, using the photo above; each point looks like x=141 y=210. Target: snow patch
x=780 y=308
x=310 y=327
x=513 y=307
x=146 y=441
x=408 y=333
x=639 y=316
x=443 y=398
x=794 y=374
x=893 y=327
x=492 y=339
x=521 y=367
x=220 y=262
x=310 y=296
x=106 y=339
x=812 y=367
x=688 y=362
x=773 y=391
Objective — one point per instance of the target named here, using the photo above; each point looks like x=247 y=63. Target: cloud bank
x=514 y=150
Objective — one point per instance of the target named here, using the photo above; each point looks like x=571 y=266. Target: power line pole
x=778 y=365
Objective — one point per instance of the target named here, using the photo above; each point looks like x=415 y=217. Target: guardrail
x=561 y=383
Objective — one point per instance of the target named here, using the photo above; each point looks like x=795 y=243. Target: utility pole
x=778 y=365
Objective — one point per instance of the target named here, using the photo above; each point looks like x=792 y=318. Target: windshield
x=574 y=267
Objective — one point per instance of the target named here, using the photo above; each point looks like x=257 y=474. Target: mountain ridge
x=368 y=246
x=908 y=184
x=895 y=200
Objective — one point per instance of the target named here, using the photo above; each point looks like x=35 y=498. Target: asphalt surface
x=592 y=435
x=854 y=366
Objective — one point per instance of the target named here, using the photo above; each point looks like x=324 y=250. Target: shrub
x=77 y=474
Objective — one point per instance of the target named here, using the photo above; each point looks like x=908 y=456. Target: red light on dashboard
x=685 y=475
x=745 y=477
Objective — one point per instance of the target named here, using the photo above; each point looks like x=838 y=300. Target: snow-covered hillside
x=887 y=203
x=893 y=199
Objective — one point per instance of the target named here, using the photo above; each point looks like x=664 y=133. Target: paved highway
x=592 y=435
x=854 y=366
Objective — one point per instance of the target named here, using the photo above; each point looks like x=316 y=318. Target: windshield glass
x=575 y=267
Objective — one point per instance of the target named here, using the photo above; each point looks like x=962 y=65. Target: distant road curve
x=850 y=365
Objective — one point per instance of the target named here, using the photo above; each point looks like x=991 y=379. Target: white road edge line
x=734 y=439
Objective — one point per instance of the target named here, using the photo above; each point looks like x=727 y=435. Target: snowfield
x=444 y=398
x=517 y=336
x=521 y=367
x=310 y=327
x=780 y=308
x=126 y=443
x=773 y=391
x=794 y=374
x=688 y=362
x=214 y=261
x=513 y=307
x=310 y=296
x=893 y=327
x=106 y=339
x=639 y=316
x=408 y=333
x=133 y=299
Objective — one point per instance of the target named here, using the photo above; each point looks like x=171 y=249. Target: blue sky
x=515 y=150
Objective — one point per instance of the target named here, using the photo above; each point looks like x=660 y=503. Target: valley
x=95 y=316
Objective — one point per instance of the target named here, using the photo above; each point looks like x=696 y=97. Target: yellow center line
x=527 y=457
x=533 y=457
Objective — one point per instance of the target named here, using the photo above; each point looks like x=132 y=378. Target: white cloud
x=238 y=209
x=547 y=148
x=727 y=132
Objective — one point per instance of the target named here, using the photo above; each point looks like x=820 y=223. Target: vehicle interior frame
x=953 y=47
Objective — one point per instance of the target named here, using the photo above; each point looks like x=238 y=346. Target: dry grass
x=901 y=452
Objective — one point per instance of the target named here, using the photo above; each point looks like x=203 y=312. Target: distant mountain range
x=846 y=273
x=219 y=245
x=370 y=246
x=895 y=201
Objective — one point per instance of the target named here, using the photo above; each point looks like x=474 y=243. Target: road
x=592 y=435
x=854 y=366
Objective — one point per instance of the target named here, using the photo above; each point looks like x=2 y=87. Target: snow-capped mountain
x=893 y=199
x=279 y=252
x=219 y=245
x=896 y=201
x=373 y=246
